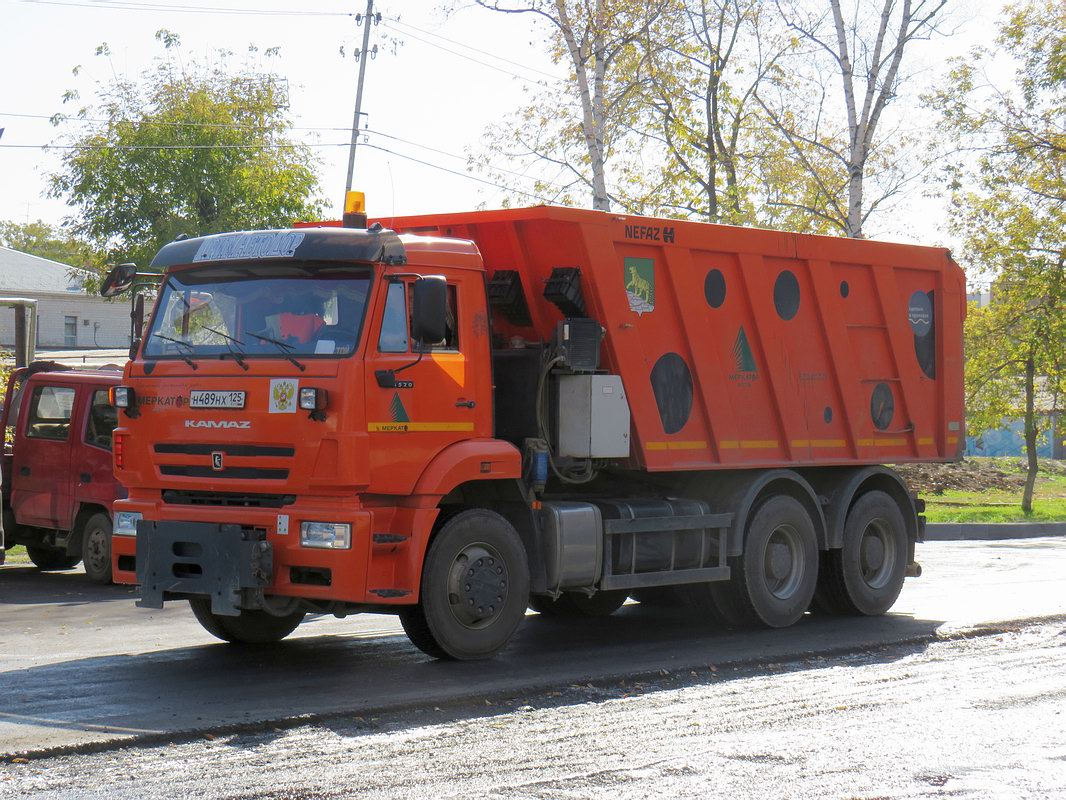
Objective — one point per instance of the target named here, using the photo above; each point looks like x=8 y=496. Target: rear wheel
x=866 y=575
x=46 y=559
x=773 y=581
x=475 y=586
x=251 y=627
x=96 y=548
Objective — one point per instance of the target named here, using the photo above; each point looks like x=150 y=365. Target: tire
x=48 y=560
x=475 y=586
x=865 y=576
x=96 y=548
x=251 y=627
x=773 y=581
x=575 y=604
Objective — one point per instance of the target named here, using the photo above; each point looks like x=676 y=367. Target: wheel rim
x=96 y=555
x=877 y=557
x=783 y=562
x=477 y=585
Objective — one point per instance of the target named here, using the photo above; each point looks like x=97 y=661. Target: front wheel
x=96 y=548
x=250 y=627
x=475 y=585
x=773 y=581
x=47 y=560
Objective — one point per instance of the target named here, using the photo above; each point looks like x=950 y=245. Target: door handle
x=24 y=470
x=86 y=477
x=465 y=404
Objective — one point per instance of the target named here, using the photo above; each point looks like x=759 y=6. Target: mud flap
x=197 y=558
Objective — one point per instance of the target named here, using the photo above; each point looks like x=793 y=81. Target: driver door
x=435 y=401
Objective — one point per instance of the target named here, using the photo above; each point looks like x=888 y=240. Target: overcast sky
x=430 y=102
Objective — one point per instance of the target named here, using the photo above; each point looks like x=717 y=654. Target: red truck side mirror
x=429 y=310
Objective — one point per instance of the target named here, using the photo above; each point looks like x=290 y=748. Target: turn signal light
x=118 y=448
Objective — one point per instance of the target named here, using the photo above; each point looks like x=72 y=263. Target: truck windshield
x=304 y=310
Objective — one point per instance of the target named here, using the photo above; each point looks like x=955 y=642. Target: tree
x=1009 y=202
x=46 y=241
x=865 y=53
x=187 y=149
x=704 y=75
x=597 y=39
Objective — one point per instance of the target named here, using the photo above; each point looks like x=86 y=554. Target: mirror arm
x=386 y=378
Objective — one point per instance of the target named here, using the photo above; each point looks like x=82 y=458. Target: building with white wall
x=67 y=315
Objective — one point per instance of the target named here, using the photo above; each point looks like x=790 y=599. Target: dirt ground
x=974 y=475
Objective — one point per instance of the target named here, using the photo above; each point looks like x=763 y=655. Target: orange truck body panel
x=716 y=377
x=744 y=348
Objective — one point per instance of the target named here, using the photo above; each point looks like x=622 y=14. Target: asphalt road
x=81 y=667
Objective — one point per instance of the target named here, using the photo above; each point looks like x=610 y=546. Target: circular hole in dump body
x=882 y=406
x=714 y=288
x=786 y=295
x=671 y=381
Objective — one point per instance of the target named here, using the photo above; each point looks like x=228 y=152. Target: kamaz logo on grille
x=217 y=423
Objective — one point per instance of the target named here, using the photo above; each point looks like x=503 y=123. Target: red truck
x=450 y=417
x=58 y=482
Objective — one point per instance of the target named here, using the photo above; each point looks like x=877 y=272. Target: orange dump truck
x=454 y=417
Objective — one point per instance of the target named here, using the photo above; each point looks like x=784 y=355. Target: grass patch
x=17 y=555
x=1049 y=503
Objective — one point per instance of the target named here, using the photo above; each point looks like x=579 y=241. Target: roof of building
x=21 y=273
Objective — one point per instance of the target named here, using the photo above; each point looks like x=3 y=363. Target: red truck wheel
x=47 y=560
x=866 y=575
x=475 y=585
x=96 y=548
x=773 y=581
x=251 y=627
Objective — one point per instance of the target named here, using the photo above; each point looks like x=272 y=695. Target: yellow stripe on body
x=694 y=445
x=819 y=443
x=417 y=427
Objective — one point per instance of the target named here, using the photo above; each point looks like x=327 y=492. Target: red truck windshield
x=304 y=310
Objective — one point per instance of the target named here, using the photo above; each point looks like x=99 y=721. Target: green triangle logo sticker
x=743 y=360
x=396 y=409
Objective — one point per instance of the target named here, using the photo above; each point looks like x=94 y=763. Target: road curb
x=986 y=531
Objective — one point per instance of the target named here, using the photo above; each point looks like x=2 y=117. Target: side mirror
x=136 y=325
x=429 y=310
x=118 y=280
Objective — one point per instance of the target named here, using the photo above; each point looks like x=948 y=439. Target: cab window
x=49 y=416
x=393 y=337
x=103 y=419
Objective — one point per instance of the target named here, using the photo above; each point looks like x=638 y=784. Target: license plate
x=207 y=399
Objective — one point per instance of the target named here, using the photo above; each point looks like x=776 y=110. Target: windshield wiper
x=238 y=355
x=184 y=358
x=283 y=347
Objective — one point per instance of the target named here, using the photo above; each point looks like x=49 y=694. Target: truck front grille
x=236 y=473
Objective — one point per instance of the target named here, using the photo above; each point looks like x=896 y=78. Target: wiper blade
x=238 y=355
x=283 y=347
x=182 y=342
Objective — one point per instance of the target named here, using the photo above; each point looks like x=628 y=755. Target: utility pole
x=364 y=56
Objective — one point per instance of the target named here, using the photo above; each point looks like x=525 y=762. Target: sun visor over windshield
x=309 y=244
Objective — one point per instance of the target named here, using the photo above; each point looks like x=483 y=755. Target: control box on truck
x=452 y=417
x=58 y=482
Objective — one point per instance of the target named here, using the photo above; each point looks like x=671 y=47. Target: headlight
x=327 y=535
x=312 y=399
x=122 y=397
x=126 y=523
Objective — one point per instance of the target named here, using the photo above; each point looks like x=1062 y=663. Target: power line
x=401 y=23
x=464 y=55
x=114 y=5
x=460 y=174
